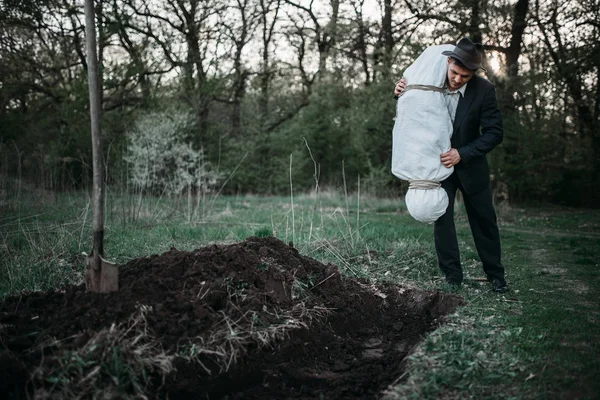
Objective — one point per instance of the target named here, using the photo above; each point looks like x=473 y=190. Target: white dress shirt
x=452 y=98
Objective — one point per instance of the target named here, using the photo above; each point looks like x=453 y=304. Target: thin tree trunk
x=512 y=55
x=516 y=38
x=266 y=73
x=388 y=37
x=474 y=30
x=597 y=100
x=328 y=40
x=195 y=87
x=241 y=75
x=361 y=43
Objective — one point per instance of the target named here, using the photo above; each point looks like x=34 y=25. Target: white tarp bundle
x=421 y=134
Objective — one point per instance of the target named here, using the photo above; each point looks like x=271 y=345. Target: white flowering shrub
x=162 y=158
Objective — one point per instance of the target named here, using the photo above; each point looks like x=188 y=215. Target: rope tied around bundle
x=423 y=184
x=427 y=88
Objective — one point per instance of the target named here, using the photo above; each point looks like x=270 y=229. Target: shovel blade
x=101 y=278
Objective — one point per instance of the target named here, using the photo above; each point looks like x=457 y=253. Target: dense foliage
x=280 y=87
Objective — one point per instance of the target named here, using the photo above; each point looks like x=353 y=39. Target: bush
x=162 y=158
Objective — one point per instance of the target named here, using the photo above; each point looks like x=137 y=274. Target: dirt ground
x=251 y=320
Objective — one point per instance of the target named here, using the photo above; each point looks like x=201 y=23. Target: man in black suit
x=477 y=123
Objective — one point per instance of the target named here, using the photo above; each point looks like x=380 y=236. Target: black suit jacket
x=477 y=130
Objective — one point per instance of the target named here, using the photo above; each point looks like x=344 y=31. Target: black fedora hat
x=467 y=53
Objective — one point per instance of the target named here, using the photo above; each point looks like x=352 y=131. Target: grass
x=539 y=341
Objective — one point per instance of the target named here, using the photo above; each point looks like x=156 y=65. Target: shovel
x=101 y=275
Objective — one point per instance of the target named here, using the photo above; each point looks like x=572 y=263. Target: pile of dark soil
x=252 y=320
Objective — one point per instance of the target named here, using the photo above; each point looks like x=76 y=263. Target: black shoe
x=453 y=282
x=499 y=286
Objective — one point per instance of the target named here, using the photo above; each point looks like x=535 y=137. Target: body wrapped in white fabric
x=422 y=133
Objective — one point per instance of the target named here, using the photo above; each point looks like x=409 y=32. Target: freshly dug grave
x=251 y=320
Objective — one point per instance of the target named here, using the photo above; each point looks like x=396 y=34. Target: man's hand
x=450 y=158
x=400 y=86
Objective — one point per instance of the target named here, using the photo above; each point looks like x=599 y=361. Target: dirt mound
x=252 y=320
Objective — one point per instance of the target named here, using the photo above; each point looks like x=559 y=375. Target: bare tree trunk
x=196 y=86
x=361 y=43
x=512 y=53
x=474 y=30
x=238 y=96
x=266 y=74
x=383 y=54
x=597 y=100
x=249 y=17
x=329 y=38
x=388 y=36
x=516 y=39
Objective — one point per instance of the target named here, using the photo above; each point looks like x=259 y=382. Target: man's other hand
x=450 y=158
x=400 y=86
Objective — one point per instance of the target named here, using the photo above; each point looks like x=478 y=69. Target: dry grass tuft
x=230 y=339
x=115 y=362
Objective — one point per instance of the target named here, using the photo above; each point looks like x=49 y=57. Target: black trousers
x=483 y=223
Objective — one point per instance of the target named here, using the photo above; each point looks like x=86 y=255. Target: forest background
x=247 y=96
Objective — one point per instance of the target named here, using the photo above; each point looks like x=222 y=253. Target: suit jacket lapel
x=463 y=106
